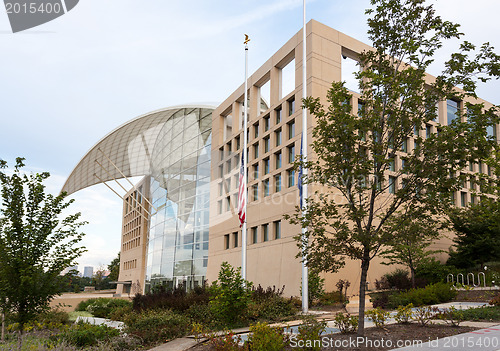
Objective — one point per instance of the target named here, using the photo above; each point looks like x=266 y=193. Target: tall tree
x=363 y=167
x=411 y=234
x=477 y=238
x=36 y=242
x=114 y=268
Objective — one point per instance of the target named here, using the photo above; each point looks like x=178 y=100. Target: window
x=416 y=131
x=256 y=130
x=221 y=153
x=404 y=145
x=291 y=107
x=228 y=182
x=471 y=166
x=491 y=132
x=237 y=140
x=267 y=123
x=219 y=206
x=255 y=191
x=228 y=166
x=277 y=135
x=254 y=235
x=267 y=144
x=451 y=110
x=392 y=185
x=277 y=230
x=291 y=153
x=473 y=199
x=220 y=189
x=255 y=170
x=291 y=129
x=277 y=183
x=392 y=165
x=265 y=232
x=291 y=177
x=278 y=113
x=266 y=166
x=221 y=171
x=463 y=199
x=226 y=241
x=480 y=167
x=428 y=131
x=278 y=159
x=265 y=184
x=361 y=108
x=235 y=239
x=229 y=148
x=256 y=150
x=228 y=203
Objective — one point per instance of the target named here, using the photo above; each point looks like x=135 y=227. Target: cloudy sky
x=67 y=83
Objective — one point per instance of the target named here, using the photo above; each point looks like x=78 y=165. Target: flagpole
x=305 y=278
x=245 y=158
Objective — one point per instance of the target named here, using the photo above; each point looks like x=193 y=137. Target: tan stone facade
x=273 y=140
x=134 y=240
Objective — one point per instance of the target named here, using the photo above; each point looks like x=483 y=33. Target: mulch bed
x=390 y=335
x=476 y=295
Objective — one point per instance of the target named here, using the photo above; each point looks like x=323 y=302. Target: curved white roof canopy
x=132 y=146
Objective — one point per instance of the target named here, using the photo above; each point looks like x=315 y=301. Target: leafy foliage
x=398 y=279
x=432 y=294
x=487 y=313
x=378 y=316
x=104 y=308
x=310 y=332
x=83 y=334
x=36 y=242
x=424 y=315
x=404 y=314
x=177 y=299
x=316 y=286
x=266 y=338
x=346 y=323
x=114 y=268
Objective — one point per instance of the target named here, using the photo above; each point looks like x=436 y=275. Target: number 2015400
x=32 y=7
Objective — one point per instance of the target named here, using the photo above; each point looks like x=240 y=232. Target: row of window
x=130 y=264
x=131 y=234
x=265 y=234
x=131 y=244
x=131 y=224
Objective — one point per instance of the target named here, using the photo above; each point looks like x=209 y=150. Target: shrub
x=226 y=341
x=432 y=294
x=346 y=323
x=259 y=293
x=452 y=316
x=434 y=272
x=486 y=313
x=404 y=314
x=331 y=298
x=120 y=313
x=157 y=325
x=271 y=309
x=398 y=280
x=230 y=294
x=381 y=299
x=54 y=316
x=176 y=299
x=342 y=286
x=310 y=332
x=423 y=315
x=84 y=335
x=495 y=301
x=202 y=314
x=82 y=306
x=103 y=308
x=378 y=316
x=266 y=338
x=315 y=287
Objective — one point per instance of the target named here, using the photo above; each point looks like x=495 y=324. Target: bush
x=103 y=308
x=452 y=316
x=175 y=299
x=310 y=333
x=378 y=316
x=423 y=315
x=266 y=338
x=202 y=314
x=434 y=272
x=331 y=298
x=486 y=313
x=346 y=323
x=157 y=325
x=399 y=280
x=82 y=306
x=404 y=314
x=381 y=299
x=432 y=294
x=230 y=294
x=84 y=335
x=54 y=316
x=272 y=309
x=495 y=301
x=120 y=313
x=315 y=287
x=259 y=293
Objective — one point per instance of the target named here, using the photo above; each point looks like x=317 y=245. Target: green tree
x=411 y=234
x=355 y=187
x=36 y=242
x=477 y=234
x=114 y=268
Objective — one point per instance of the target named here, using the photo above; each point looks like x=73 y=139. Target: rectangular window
x=266 y=166
x=255 y=170
x=265 y=184
x=265 y=232
x=277 y=183
x=404 y=145
x=451 y=110
x=277 y=230
x=220 y=189
x=471 y=166
x=256 y=130
x=291 y=107
x=267 y=123
x=392 y=185
x=291 y=129
x=235 y=239
x=228 y=203
x=237 y=141
x=228 y=166
x=228 y=182
x=278 y=159
x=480 y=167
x=219 y=206
x=226 y=241
x=229 y=148
x=278 y=118
x=277 y=135
x=291 y=153
x=416 y=130
x=255 y=238
x=278 y=113
x=256 y=150
x=428 y=131
x=255 y=191
x=267 y=144
x=473 y=199
x=392 y=165
x=221 y=171
x=491 y=132
x=361 y=108
x=291 y=177
x=221 y=153
x=463 y=199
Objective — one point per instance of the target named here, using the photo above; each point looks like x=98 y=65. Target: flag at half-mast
x=242 y=193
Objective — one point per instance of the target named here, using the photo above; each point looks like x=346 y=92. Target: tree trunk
x=365 y=264
x=3 y=327
x=412 y=273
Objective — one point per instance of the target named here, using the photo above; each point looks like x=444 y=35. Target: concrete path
x=487 y=339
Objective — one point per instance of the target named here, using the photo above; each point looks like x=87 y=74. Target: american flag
x=242 y=193
x=299 y=183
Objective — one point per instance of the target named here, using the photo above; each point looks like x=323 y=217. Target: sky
x=65 y=84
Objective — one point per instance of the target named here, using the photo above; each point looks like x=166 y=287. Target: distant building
x=88 y=272
x=66 y=270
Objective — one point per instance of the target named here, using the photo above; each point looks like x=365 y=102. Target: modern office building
x=180 y=222
x=88 y=272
